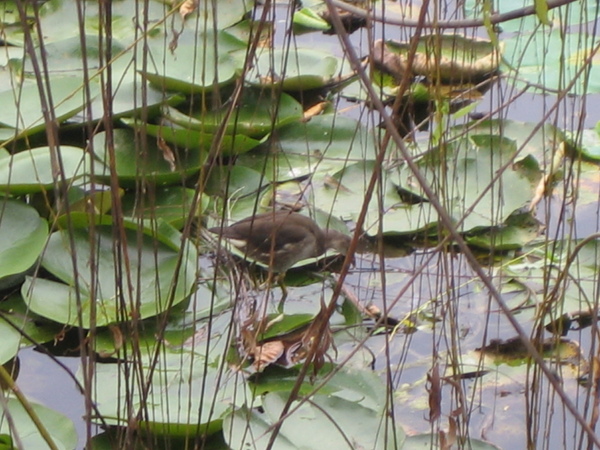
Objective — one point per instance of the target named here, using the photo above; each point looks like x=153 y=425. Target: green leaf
x=11 y=340
x=188 y=395
x=322 y=147
x=60 y=428
x=295 y=70
x=541 y=11
x=200 y=66
x=135 y=161
x=185 y=138
x=34 y=170
x=257 y=114
x=307 y=18
x=22 y=110
x=145 y=284
x=23 y=235
x=431 y=442
x=170 y=204
x=346 y=417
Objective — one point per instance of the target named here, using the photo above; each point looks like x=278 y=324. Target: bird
x=280 y=239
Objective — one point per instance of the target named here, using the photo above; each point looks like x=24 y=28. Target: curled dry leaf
x=434 y=388
x=314 y=111
x=267 y=353
x=187 y=7
x=167 y=153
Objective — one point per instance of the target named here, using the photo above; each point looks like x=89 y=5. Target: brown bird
x=280 y=239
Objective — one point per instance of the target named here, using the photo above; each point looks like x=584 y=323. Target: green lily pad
x=295 y=70
x=195 y=67
x=459 y=173
x=345 y=413
x=449 y=57
x=530 y=138
x=170 y=204
x=11 y=341
x=188 y=393
x=15 y=311
x=155 y=286
x=22 y=110
x=195 y=140
x=219 y=15
x=257 y=114
x=59 y=20
x=33 y=170
x=23 y=235
x=59 y=428
x=133 y=164
x=569 y=15
x=526 y=61
x=233 y=182
x=320 y=147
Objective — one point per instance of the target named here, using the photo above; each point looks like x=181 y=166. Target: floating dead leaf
x=314 y=111
x=451 y=435
x=287 y=349
x=266 y=354
x=187 y=7
x=434 y=388
x=168 y=154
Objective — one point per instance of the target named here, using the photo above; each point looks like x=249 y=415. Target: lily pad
x=188 y=395
x=21 y=319
x=170 y=204
x=197 y=67
x=152 y=163
x=59 y=428
x=449 y=57
x=196 y=140
x=257 y=114
x=459 y=174
x=34 y=170
x=98 y=290
x=218 y=15
x=526 y=60
x=296 y=70
x=344 y=415
x=11 y=341
x=22 y=110
x=320 y=147
x=23 y=236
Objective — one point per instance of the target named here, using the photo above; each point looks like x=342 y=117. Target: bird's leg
x=284 y=292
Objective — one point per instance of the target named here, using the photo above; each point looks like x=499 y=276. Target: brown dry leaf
x=434 y=388
x=187 y=7
x=314 y=111
x=267 y=354
x=168 y=154
x=451 y=435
